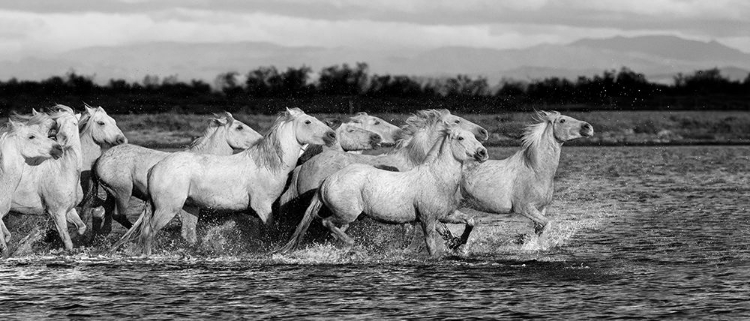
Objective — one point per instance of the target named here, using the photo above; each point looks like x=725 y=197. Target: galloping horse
x=523 y=183
x=416 y=138
x=98 y=132
x=427 y=193
x=122 y=170
x=349 y=138
x=52 y=186
x=255 y=177
x=386 y=130
x=21 y=144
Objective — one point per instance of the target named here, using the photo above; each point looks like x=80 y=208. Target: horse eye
x=32 y=137
x=308 y=122
x=377 y=122
x=460 y=138
x=101 y=123
x=239 y=127
x=458 y=121
x=562 y=121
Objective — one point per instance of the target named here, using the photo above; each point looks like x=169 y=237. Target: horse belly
x=389 y=200
x=219 y=196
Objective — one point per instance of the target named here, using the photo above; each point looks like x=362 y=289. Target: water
x=640 y=232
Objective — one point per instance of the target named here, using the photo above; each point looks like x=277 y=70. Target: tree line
x=345 y=88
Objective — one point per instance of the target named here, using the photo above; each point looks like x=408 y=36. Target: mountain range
x=660 y=58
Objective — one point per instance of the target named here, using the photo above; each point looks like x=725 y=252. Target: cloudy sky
x=47 y=27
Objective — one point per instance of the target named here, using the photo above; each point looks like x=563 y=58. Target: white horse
x=349 y=138
x=416 y=138
x=524 y=182
x=122 y=170
x=427 y=193
x=98 y=132
x=53 y=186
x=21 y=144
x=386 y=130
x=254 y=177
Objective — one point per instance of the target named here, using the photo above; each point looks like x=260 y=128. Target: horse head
x=387 y=131
x=308 y=129
x=464 y=145
x=565 y=128
x=102 y=127
x=238 y=134
x=67 y=125
x=479 y=132
x=352 y=137
x=32 y=141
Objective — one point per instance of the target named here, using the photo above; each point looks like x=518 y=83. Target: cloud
x=51 y=26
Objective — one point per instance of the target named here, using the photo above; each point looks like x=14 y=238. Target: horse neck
x=416 y=150
x=11 y=159
x=214 y=142
x=445 y=168
x=543 y=156
x=73 y=153
x=91 y=150
x=279 y=149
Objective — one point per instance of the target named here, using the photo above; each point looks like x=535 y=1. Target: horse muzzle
x=587 y=130
x=481 y=155
x=329 y=138
x=375 y=140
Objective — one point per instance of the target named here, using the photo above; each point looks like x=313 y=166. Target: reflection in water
x=639 y=232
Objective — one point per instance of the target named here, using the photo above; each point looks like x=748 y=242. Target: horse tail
x=135 y=229
x=310 y=213
x=91 y=194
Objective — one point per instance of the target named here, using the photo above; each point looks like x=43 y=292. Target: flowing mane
x=28 y=120
x=534 y=134
x=415 y=149
x=267 y=152
x=213 y=126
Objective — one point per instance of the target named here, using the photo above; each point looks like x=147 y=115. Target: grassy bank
x=611 y=127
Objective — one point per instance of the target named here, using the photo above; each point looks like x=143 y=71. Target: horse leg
x=428 y=227
x=339 y=234
x=541 y=223
x=59 y=216
x=458 y=217
x=121 y=211
x=189 y=217
x=73 y=218
x=4 y=239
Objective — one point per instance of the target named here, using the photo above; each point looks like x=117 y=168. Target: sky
x=48 y=27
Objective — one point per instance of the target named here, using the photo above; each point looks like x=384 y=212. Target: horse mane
x=534 y=134
x=212 y=128
x=30 y=120
x=59 y=110
x=267 y=152
x=415 y=150
x=436 y=148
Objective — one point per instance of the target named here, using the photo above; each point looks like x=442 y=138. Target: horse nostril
x=481 y=154
x=484 y=133
x=331 y=135
x=121 y=140
x=375 y=138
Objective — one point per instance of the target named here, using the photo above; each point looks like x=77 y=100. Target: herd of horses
x=60 y=163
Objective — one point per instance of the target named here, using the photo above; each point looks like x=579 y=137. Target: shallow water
x=645 y=232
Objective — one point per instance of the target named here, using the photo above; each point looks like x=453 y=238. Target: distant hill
x=659 y=57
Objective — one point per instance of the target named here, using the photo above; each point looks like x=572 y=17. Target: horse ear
x=34 y=112
x=13 y=124
x=294 y=111
x=361 y=113
x=332 y=122
x=219 y=121
x=229 y=117
x=78 y=116
x=90 y=110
